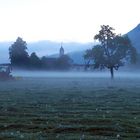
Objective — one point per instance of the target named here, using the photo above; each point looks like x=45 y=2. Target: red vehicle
x=5 y=72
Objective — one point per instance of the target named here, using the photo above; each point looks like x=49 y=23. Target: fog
x=75 y=74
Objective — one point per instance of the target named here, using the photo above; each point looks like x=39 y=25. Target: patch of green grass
x=56 y=108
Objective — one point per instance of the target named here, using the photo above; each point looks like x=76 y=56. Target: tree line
x=20 y=58
x=112 y=51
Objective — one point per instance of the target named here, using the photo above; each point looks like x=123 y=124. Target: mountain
x=74 y=49
x=134 y=36
x=77 y=57
x=43 y=48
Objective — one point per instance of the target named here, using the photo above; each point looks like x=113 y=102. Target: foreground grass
x=70 y=109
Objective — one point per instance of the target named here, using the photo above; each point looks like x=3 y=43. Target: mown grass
x=70 y=109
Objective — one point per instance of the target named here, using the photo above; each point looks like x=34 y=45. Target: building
x=61 y=51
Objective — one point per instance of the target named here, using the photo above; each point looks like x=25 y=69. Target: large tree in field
x=112 y=51
x=18 y=53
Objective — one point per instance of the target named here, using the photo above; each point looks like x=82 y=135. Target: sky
x=65 y=20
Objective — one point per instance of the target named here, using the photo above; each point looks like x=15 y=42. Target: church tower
x=61 y=51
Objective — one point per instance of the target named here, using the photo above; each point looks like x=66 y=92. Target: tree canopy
x=19 y=58
x=18 y=53
x=112 y=51
x=35 y=61
x=63 y=62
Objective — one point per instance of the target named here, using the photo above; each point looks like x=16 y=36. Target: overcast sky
x=65 y=20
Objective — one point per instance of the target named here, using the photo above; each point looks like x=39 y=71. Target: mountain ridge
x=43 y=48
x=134 y=36
x=73 y=49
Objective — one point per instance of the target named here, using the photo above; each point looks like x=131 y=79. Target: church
x=61 y=51
x=51 y=61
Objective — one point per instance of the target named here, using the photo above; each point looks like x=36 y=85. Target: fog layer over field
x=76 y=74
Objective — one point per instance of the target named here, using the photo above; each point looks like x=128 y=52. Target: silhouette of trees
x=48 y=63
x=112 y=52
x=63 y=62
x=19 y=58
x=35 y=62
x=18 y=53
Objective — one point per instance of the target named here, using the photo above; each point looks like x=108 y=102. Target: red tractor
x=5 y=72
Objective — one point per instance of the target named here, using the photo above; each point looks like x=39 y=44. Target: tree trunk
x=112 y=72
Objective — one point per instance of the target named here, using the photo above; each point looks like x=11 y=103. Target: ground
x=70 y=109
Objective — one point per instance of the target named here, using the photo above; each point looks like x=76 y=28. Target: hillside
x=74 y=49
x=134 y=36
x=43 y=48
x=77 y=57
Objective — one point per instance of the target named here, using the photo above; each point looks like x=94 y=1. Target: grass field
x=70 y=109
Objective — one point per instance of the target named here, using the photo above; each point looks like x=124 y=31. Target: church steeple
x=61 y=51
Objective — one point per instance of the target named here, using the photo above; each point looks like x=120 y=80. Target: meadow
x=70 y=108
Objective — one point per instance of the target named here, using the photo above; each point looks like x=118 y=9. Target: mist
x=76 y=74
